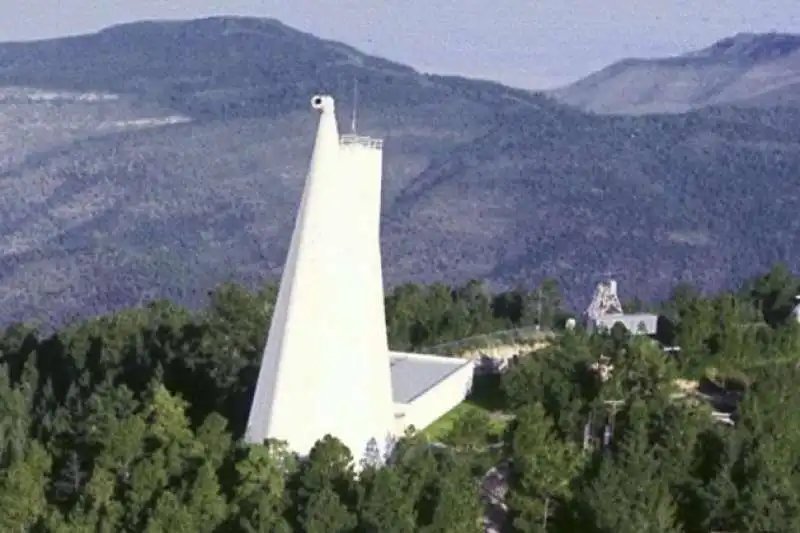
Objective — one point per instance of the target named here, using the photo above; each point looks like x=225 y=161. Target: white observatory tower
x=326 y=366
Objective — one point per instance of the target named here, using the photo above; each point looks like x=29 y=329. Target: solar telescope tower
x=326 y=366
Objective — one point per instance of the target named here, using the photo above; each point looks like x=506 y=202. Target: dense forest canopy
x=132 y=422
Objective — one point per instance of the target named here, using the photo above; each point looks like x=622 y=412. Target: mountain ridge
x=750 y=46
x=746 y=69
x=481 y=180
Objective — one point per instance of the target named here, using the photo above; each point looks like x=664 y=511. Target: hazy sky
x=531 y=43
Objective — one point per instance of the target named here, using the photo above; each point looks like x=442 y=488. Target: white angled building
x=326 y=367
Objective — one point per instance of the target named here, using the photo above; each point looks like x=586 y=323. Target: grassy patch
x=486 y=404
x=443 y=427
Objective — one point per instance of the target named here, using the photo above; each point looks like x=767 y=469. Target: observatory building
x=327 y=368
x=605 y=310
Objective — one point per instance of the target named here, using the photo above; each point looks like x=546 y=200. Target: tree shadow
x=487 y=393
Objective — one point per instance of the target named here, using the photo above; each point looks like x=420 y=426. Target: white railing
x=350 y=139
x=523 y=334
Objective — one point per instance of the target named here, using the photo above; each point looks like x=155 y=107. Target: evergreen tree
x=543 y=469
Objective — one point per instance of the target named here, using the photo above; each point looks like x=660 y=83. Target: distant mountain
x=159 y=159
x=746 y=69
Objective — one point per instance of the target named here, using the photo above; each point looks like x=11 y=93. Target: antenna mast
x=355 y=105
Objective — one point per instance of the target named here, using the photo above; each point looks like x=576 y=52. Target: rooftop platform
x=415 y=374
x=360 y=140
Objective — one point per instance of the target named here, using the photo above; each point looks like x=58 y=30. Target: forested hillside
x=131 y=422
x=101 y=212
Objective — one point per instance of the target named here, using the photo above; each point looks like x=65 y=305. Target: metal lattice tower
x=605 y=301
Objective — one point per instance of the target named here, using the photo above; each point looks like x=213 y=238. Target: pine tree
x=542 y=470
x=23 y=500
x=385 y=506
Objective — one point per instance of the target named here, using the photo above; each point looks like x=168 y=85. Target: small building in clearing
x=605 y=311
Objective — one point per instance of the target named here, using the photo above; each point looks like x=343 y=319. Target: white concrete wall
x=631 y=321
x=363 y=164
x=437 y=401
x=325 y=368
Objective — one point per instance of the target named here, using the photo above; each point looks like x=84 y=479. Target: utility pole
x=546 y=513
x=355 y=106
x=609 y=432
